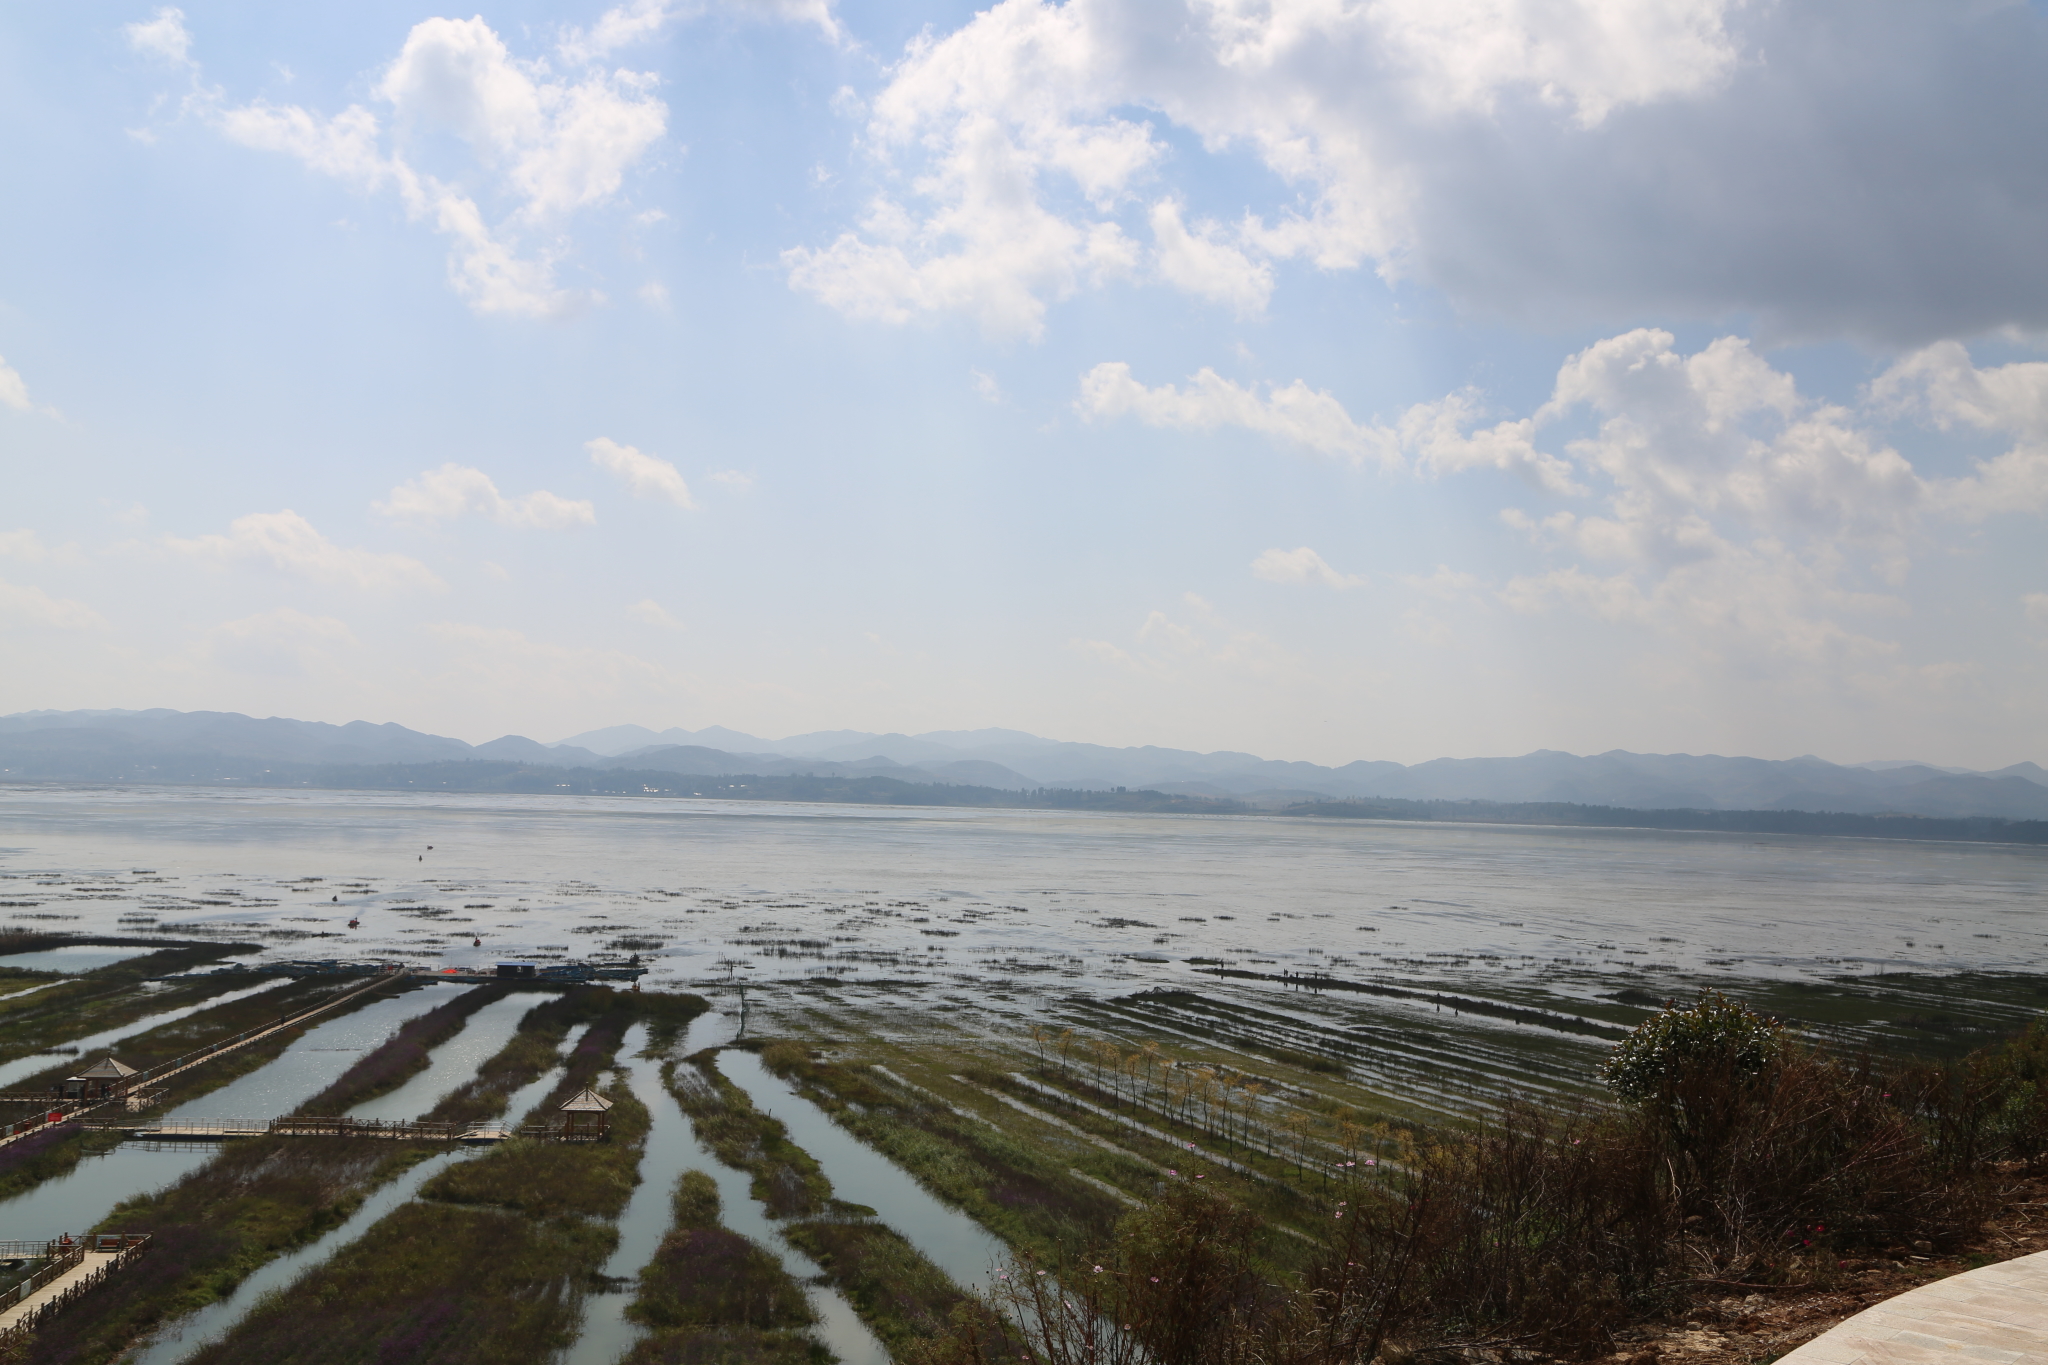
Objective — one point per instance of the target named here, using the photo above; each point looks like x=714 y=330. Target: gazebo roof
x=108 y=1070
x=586 y=1101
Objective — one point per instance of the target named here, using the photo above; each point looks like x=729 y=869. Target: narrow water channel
x=76 y=1201
x=453 y=1062
x=23 y=1067
x=185 y=1336
x=672 y=1148
x=216 y=1320
x=72 y=957
x=606 y=1334
x=948 y=1238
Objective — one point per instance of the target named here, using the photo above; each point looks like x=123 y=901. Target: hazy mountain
x=212 y=745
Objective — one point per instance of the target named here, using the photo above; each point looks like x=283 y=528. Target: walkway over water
x=73 y=1266
x=1994 y=1315
x=315 y=1125
x=136 y=1091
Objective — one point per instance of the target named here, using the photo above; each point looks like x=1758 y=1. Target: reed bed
x=403 y=1055
x=490 y=1265
x=110 y=997
x=261 y=1197
x=786 y=1179
x=1734 y=1157
x=57 y=1151
x=457 y=1286
x=710 y=1294
x=900 y=1294
x=1023 y=1193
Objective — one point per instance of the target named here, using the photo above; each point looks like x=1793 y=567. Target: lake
x=1024 y=899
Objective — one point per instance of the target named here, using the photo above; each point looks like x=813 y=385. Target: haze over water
x=1062 y=899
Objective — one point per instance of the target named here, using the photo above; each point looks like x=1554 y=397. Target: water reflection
x=217 y=1319
x=948 y=1238
x=23 y=1067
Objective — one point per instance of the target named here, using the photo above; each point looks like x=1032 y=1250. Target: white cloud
x=654 y=614
x=2035 y=606
x=23 y=544
x=28 y=604
x=986 y=387
x=1436 y=433
x=456 y=490
x=647 y=476
x=547 y=148
x=733 y=481
x=289 y=543
x=1206 y=265
x=639 y=21
x=283 y=642
x=13 y=388
x=1296 y=413
x=163 y=37
x=1302 y=566
x=1492 y=147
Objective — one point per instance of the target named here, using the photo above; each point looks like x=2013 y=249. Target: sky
x=1324 y=379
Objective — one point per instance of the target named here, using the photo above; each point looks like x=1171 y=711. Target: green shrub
x=1712 y=1037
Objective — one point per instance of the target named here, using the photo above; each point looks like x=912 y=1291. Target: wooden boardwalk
x=132 y=1096
x=1994 y=1315
x=75 y=1266
x=311 y=1125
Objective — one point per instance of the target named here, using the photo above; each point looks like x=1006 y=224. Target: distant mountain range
x=211 y=746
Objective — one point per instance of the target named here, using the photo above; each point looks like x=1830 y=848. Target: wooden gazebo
x=583 y=1116
x=98 y=1081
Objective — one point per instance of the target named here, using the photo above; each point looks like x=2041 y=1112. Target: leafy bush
x=1714 y=1036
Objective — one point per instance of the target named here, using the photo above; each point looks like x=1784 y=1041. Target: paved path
x=1995 y=1315
x=86 y=1269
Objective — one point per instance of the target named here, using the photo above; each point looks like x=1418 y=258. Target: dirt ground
x=1753 y=1328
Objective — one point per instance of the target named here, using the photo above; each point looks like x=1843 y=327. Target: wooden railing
x=62 y=1256
x=133 y=1088
x=315 y=1125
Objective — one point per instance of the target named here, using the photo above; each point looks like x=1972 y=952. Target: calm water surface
x=1061 y=898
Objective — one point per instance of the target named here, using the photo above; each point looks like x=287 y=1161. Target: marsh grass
x=898 y=1292
x=786 y=1179
x=894 y=1288
x=556 y=1179
x=112 y=996
x=57 y=1151
x=1542 y=1229
x=457 y=1286
x=1022 y=1193
x=707 y=1278
x=403 y=1055
x=489 y=1266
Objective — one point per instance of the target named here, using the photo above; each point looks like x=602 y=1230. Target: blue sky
x=1376 y=380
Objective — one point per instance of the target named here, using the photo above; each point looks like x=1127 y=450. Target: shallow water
x=217 y=1319
x=24 y=1067
x=948 y=1238
x=316 y=1061
x=606 y=1334
x=1017 y=898
x=454 y=1061
x=74 y=1202
x=672 y=1149
x=74 y=957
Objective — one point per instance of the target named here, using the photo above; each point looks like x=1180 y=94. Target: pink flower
x=1155 y=1279
x=1171 y=1171
x=1098 y=1270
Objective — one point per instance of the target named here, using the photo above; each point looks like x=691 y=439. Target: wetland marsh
x=940 y=1039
